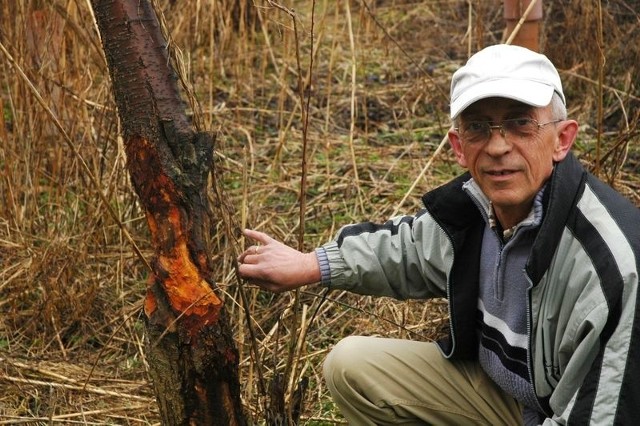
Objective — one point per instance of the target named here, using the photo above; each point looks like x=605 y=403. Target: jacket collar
x=568 y=178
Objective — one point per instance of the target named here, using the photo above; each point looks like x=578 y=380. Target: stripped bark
x=190 y=349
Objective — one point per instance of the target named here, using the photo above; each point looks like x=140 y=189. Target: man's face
x=510 y=168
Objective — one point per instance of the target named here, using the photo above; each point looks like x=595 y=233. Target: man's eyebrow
x=475 y=116
x=520 y=112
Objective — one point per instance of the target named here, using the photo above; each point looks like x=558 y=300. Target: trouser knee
x=343 y=362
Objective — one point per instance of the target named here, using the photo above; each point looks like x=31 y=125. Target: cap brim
x=529 y=92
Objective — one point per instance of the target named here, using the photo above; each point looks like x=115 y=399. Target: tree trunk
x=529 y=33
x=192 y=357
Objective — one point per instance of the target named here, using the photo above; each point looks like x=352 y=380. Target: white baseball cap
x=505 y=71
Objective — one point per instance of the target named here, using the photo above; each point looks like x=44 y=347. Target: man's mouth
x=500 y=172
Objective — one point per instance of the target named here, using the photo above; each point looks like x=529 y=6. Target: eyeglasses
x=517 y=128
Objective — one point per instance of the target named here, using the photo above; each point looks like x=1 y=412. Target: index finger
x=258 y=236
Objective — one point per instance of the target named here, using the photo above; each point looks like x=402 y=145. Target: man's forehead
x=489 y=105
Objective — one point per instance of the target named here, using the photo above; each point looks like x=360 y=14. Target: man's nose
x=497 y=143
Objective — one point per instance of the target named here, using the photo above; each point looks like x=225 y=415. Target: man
x=537 y=258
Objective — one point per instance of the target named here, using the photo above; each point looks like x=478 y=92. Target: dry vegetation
x=71 y=287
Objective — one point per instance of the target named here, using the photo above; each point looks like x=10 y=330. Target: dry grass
x=70 y=286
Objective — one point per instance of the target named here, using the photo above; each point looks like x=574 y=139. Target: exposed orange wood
x=188 y=293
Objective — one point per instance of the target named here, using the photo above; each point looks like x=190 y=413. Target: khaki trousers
x=377 y=381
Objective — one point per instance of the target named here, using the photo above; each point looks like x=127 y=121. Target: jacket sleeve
x=408 y=257
x=592 y=361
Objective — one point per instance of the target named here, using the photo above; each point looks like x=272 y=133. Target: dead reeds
x=366 y=93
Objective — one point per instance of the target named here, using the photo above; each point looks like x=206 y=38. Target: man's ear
x=566 y=135
x=456 y=145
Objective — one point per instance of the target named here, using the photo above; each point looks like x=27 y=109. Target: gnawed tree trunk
x=192 y=357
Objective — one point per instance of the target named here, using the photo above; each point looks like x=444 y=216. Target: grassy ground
x=376 y=74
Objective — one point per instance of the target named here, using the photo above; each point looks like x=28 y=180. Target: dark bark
x=192 y=357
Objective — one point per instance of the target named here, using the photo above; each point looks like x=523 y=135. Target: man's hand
x=275 y=266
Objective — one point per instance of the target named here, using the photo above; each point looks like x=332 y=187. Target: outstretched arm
x=275 y=266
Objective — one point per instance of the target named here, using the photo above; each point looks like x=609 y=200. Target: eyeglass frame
x=491 y=127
